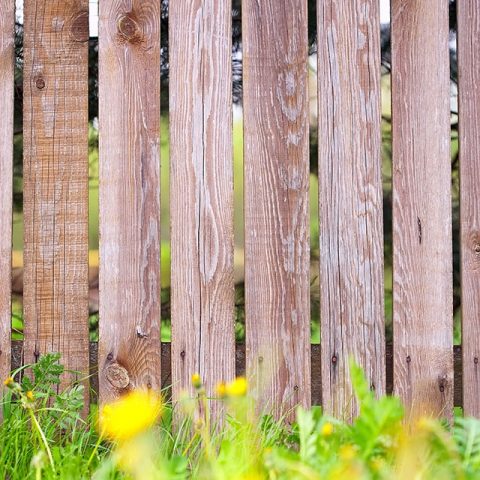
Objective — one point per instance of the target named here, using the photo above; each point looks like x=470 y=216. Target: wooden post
x=201 y=193
x=56 y=182
x=277 y=274
x=350 y=200
x=468 y=41
x=422 y=238
x=7 y=25
x=129 y=116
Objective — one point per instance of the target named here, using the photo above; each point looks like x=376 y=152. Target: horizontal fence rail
x=315 y=377
x=423 y=368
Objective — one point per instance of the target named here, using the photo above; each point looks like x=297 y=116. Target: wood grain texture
x=7 y=21
x=129 y=115
x=422 y=239
x=276 y=202
x=350 y=199
x=468 y=44
x=56 y=182
x=201 y=193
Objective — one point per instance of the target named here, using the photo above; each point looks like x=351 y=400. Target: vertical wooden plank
x=422 y=257
x=201 y=192
x=56 y=181
x=350 y=199
x=7 y=22
x=468 y=44
x=129 y=114
x=275 y=50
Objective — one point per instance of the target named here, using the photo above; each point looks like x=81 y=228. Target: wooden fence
x=282 y=367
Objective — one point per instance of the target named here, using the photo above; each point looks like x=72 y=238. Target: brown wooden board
x=275 y=50
x=129 y=119
x=7 y=22
x=55 y=174
x=350 y=199
x=422 y=239
x=201 y=193
x=468 y=44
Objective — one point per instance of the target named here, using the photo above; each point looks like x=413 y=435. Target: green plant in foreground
x=43 y=436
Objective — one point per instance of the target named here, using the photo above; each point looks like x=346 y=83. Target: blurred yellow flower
x=131 y=415
x=221 y=389
x=347 y=452
x=8 y=381
x=253 y=475
x=327 y=429
x=30 y=395
x=237 y=388
x=196 y=380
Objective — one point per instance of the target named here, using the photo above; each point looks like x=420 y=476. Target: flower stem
x=43 y=438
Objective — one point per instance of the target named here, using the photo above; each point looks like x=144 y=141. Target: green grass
x=43 y=436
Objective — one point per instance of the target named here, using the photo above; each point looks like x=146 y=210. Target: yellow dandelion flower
x=30 y=395
x=251 y=476
x=131 y=415
x=221 y=389
x=424 y=423
x=327 y=429
x=196 y=380
x=347 y=452
x=237 y=388
x=8 y=381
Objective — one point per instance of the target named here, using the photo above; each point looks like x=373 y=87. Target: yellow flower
x=131 y=415
x=347 y=452
x=237 y=388
x=196 y=380
x=8 y=381
x=327 y=429
x=30 y=395
x=221 y=389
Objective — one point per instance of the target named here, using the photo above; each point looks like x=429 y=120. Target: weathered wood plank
x=201 y=193
x=468 y=42
x=275 y=104
x=129 y=114
x=7 y=22
x=422 y=258
x=56 y=181
x=350 y=199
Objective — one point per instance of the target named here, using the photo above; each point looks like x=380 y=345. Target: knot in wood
x=474 y=242
x=40 y=83
x=117 y=376
x=79 y=28
x=129 y=29
x=442 y=383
